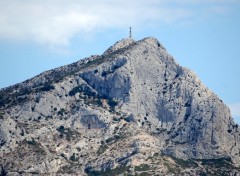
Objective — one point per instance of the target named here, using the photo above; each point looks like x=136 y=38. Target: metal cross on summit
x=130 y=32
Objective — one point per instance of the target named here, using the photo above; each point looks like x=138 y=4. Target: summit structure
x=130 y=32
x=130 y=111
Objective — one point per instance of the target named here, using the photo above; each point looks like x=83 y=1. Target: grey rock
x=129 y=110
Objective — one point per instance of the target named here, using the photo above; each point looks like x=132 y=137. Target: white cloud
x=55 y=22
x=235 y=109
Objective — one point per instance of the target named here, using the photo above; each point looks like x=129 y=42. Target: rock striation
x=132 y=110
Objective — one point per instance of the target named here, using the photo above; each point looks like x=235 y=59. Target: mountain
x=130 y=111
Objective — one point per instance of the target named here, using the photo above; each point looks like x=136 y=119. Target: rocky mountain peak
x=119 y=45
x=132 y=110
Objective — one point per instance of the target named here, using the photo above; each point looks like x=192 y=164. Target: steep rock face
x=115 y=110
x=171 y=97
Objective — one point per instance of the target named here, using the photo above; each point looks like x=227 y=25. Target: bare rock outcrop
x=131 y=110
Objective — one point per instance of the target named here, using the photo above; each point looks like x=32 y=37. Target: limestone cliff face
x=120 y=113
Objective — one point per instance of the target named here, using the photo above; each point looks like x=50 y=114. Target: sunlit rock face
x=131 y=110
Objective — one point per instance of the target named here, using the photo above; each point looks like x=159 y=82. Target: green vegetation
x=46 y=87
x=113 y=139
x=74 y=158
x=118 y=170
x=69 y=134
x=217 y=163
x=68 y=169
x=110 y=71
x=172 y=168
x=142 y=167
x=8 y=98
x=91 y=97
x=93 y=62
x=82 y=89
x=112 y=103
x=185 y=163
x=54 y=77
x=93 y=101
x=1 y=114
x=116 y=119
x=32 y=142
x=61 y=129
x=87 y=94
x=144 y=174
x=61 y=112
x=36 y=146
x=221 y=166
x=102 y=149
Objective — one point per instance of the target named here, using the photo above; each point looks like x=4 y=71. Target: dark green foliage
x=142 y=167
x=61 y=112
x=21 y=100
x=47 y=87
x=91 y=97
x=84 y=89
x=118 y=170
x=25 y=92
x=22 y=132
x=129 y=118
x=109 y=140
x=2 y=143
x=37 y=147
x=187 y=104
x=104 y=74
x=113 y=139
x=62 y=155
x=97 y=61
x=172 y=168
x=112 y=103
x=75 y=90
x=185 y=163
x=111 y=70
x=73 y=157
x=145 y=174
x=32 y=142
x=49 y=117
x=175 y=168
x=116 y=119
x=221 y=166
x=2 y=113
x=102 y=149
x=217 y=163
x=60 y=129
x=8 y=98
x=69 y=134
x=93 y=101
x=4 y=101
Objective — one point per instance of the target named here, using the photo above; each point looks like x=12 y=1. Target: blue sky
x=202 y=35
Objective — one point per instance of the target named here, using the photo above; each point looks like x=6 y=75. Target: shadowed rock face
x=108 y=81
x=92 y=121
x=118 y=111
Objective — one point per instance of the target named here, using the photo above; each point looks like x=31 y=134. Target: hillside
x=132 y=110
